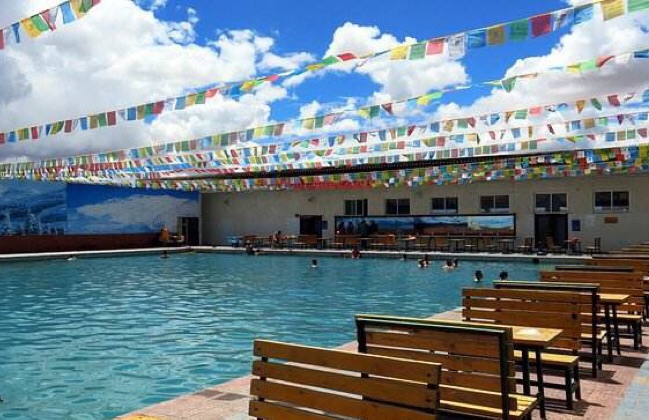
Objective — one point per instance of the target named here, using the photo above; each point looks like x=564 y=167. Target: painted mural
x=43 y=208
x=108 y=210
x=32 y=208
x=496 y=225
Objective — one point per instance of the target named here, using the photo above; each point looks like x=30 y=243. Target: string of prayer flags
x=47 y=20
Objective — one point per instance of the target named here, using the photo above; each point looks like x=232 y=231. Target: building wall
x=264 y=212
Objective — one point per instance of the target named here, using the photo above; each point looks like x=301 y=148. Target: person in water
x=356 y=254
x=424 y=262
x=478 y=276
x=503 y=275
x=449 y=265
x=314 y=263
x=456 y=262
x=165 y=254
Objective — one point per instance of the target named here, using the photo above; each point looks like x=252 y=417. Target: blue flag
x=68 y=14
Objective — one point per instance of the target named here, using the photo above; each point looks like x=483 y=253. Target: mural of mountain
x=32 y=208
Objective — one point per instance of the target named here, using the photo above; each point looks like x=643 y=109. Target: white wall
x=264 y=212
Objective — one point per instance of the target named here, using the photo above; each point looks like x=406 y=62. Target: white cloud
x=584 y=42
x=120 y=55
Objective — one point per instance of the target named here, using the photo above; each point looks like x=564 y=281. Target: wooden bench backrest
x=589 y=311
x=619 y=283
x=475 y=358
x=339 y=383
x=529 y=308
x=638 y=265
x=308 y=239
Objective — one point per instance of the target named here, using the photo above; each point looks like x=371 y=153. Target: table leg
x=525 y=362
x=609 y=334
x=617 y=330
x=539 y=383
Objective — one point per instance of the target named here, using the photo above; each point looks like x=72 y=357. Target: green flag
x=519 y=30
x=417 y=51
x=637 y=5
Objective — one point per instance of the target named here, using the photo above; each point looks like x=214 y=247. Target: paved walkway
x=621 y=391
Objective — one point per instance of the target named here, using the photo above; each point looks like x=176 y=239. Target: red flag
x=67 y=127
x=603 y=60
x=613 y=100
x=641 y=131
x=47 y=17
x=2 y=39
x=347 y=56
x=435 y=46
x=158 y=107
x=2 y=138
x=411 y=129
x=387 y=108
x=212 y=93
x=112 y=117
x=541 y=25
x=95 y=2
x=34 y=133
x=272 y=78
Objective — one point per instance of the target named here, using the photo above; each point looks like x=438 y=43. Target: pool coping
x=479 y=256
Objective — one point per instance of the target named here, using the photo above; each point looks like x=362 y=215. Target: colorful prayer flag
x=636 y=5
x=477 y=38
x=496 y=35
x=68 y=14
x=399 y=53
x=519 y=30
x=541 y=25
x=435 y=46
x=457 y=46
x=612 y=9
x=584 y=13
x=417 y=51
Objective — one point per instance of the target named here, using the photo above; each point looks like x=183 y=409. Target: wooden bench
x=384 y=242
x=591 y=333
x=306 y=241
x=631 y=284
x=478 y=374
x=541 y=309
x=319 y=384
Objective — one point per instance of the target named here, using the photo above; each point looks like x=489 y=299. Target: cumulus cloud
x=120 y=55
x=584 y=42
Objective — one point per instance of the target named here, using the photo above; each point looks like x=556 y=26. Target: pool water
x=96 y=338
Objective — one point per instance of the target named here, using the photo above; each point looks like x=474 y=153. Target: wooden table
x=612 y=301
x=456 y=243
x=528 y=339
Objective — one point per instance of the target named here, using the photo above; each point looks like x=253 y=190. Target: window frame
x=445 y=209
x=362 y=202
x=551 y=208
x=398 y=203
x=494 y=199
x=612 y=207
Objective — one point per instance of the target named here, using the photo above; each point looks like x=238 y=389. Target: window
x=397 y=206
x=494 y=203
x=554 y=203
x=444 y=205
x=356 y=207
x=611 y=201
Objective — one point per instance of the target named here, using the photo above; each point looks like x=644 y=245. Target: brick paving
x=621 y=391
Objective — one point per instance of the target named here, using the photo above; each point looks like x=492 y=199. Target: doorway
x=188 y=227
x=311 y=225
x=553 y=226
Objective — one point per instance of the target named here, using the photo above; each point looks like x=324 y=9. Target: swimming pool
x=96 y=338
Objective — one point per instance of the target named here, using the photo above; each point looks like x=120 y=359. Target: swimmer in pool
x=478 y=276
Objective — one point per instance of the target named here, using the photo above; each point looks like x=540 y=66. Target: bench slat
x=385 y=391
x=331 y=403
x=337 y=359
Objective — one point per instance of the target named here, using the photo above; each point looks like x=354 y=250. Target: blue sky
x=300 y=26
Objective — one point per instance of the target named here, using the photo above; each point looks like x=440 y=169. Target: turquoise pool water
x=96 y=338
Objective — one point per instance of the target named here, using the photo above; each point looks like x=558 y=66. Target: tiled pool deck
x=620 y=392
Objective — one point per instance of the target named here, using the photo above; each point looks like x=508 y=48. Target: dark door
x=554 y=226
x=189 y=229
x=311 y=225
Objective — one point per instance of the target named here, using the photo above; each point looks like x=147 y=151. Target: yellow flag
x=612 y=9
x=399 y=53
x=496 y=35
x=29 y=27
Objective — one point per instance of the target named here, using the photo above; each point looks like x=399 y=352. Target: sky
x=126 y=53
